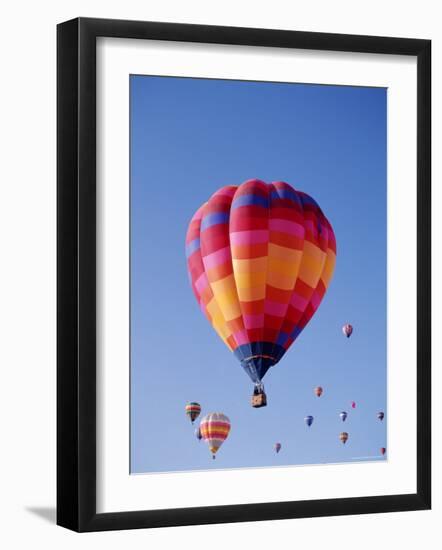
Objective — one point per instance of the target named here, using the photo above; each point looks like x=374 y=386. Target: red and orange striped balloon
x=260 y=258
x=215 y=428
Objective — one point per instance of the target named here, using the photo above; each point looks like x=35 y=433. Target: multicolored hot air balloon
x=380 y=415
x=198 y=434
x=343 y=436
x=215 y=428
x=353 y=404
x=193 y=411
x=383 y=451
x=260 y=258
x=318 y=391
x=308 y=420
x=347 y=330
x=343 y=416
x=277 y=447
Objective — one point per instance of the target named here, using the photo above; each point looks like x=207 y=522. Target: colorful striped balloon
x=260 y=258
x=215 y=428
x=193 y=411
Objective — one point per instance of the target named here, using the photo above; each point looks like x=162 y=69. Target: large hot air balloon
x=193 y=411
x=260 y=258
x=347 y=330
x=380 y=415
x=215 y=428
x=277 y=447
x=343 y=416
x=308 y=420
x=318 y=391
x=343 y=436
x=198 y=434
x=383 y=450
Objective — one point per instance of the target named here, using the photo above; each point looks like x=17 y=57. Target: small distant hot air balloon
x=318 y=391
x=347 y=330
x=215 y=428
x=353 y=404
x=380 y=415
x=343 y=416
x=308 y=420
x=277 y=447
x=343 y=437
x=383 y=450
x=198 y=434
x=193 y=411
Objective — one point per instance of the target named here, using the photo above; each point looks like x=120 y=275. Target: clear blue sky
x=188 y=138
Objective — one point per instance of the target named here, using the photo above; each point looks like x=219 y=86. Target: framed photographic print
x=243 y=274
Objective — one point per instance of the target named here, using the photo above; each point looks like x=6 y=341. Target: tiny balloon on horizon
x=309 y=420
x=347 y=330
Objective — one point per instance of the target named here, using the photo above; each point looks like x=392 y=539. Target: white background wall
x=27 y=271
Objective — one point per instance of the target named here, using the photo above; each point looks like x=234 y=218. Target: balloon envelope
x=215 y=428
x=318 y=391
x=380 y=415
x=260 y=258
x=383 y=450
x=343 y=437
x=347 y=330
x=353 y=404
x=193 y=411
x=308 y=420
x=277 y=447
x=343 y=415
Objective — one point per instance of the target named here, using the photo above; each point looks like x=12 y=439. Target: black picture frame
x=76 y=274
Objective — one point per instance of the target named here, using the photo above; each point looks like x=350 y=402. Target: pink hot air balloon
x=353 y=404
x=347 y=330
x=260 y=259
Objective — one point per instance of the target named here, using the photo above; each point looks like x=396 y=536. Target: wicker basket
x=259 y=400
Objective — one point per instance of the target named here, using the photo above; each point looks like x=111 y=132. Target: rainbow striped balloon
x=193 y=411
x=260 y=258
x=215 y=428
